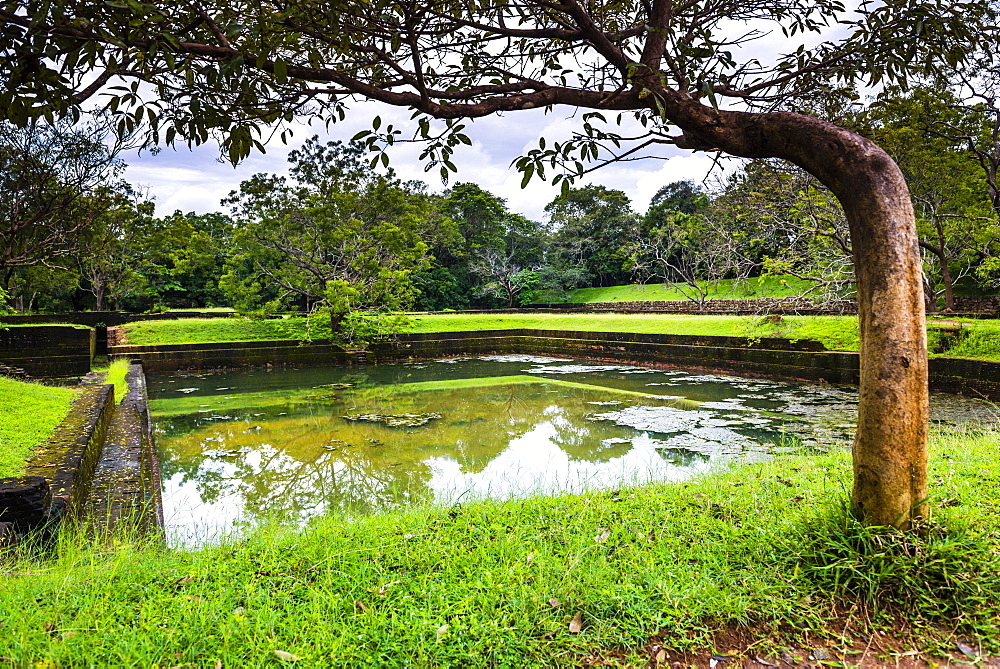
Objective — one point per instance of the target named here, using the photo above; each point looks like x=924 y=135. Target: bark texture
x=890 y=446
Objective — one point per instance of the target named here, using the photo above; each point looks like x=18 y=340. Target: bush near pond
x=536 y=582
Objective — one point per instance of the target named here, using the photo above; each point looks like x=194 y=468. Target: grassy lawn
x=728 y=289
x=206 y=330
x=837 y=333
x=31 y=413
x=115 y=373
x=544 y=581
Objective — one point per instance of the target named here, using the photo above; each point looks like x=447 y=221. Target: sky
x=196 y=180
x=186 y=180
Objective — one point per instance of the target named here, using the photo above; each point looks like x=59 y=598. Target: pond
x=236 y=447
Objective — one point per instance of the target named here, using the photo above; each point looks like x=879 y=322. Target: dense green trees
x=339 y=237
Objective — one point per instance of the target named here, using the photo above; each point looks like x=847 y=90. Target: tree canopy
x=234 y=71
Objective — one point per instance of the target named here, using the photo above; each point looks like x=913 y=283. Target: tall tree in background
x=109 y=258
x=231 y=70
x=589 y=227
x=340 y=236
x=681 y=243
x=55 y=180
x=951 y=193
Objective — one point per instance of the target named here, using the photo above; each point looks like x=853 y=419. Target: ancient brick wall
x=48 y=351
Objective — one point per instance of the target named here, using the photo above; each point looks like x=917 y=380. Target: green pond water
x=236 y=447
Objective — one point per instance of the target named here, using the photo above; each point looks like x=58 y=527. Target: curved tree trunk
x=890 y=447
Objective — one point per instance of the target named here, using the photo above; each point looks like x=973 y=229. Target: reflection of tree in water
x=300 y=459
x=682 y=457
x=291 y=483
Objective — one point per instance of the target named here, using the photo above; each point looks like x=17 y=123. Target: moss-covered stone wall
x=173 y=357
x=68 y=459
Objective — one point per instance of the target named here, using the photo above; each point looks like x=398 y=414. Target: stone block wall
x=978 y=305
x=48 y=351
x=232 y=355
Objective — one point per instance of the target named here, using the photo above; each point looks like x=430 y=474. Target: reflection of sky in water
x=240 y=446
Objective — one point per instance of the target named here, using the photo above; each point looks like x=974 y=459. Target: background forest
x=342 y=234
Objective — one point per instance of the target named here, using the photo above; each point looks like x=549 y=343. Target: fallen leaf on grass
x=444 y=628
x=554 y=603
x=967 y=650
x=661 y=656
x=604 y=534
x=218 y=664
x=361 y=607
x=530 y=558
x=286 y=656
x=576 y=624
x=186 y=579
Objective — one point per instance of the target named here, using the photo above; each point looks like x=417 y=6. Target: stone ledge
x=67 y=460
x=805 y=360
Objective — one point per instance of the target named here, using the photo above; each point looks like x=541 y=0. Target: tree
x=182 y=256
x=340 y=237
x=231 y=71
x=681 y=244
x=950 y=190
x=54 y=182
x=109 y=256
x=589 y=227
x=789 y=224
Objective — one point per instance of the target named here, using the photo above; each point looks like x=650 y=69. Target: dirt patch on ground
x=847 y=642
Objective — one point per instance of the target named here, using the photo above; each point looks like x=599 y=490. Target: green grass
x=499 y=583
x=728 y=289
x=116 y=375
x=837 y=333
x=31 y=413
x=979 y=339
x=206 y=330
x=204 y=310
x=39 y=325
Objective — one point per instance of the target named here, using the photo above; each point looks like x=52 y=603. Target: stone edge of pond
x=99 y=467
x=59 y=471
x=801 y=360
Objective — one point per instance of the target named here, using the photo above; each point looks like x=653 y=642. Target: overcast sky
x=197 y=181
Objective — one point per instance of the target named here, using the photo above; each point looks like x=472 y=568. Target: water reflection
x=296 y=443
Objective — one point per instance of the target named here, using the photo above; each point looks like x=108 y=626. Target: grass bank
x=114 y=373
x=544 y=581
x=31 y=413
x=727 y=289
x=837 y=333
x=211 y=330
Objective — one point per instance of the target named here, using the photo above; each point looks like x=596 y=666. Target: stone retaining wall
x=765 y=357
x=48 y=351
x=983 y=305
x=740 y=307
x=229 y=355
x=59 y=474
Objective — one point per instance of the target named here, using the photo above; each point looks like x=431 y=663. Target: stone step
x=120 y=496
